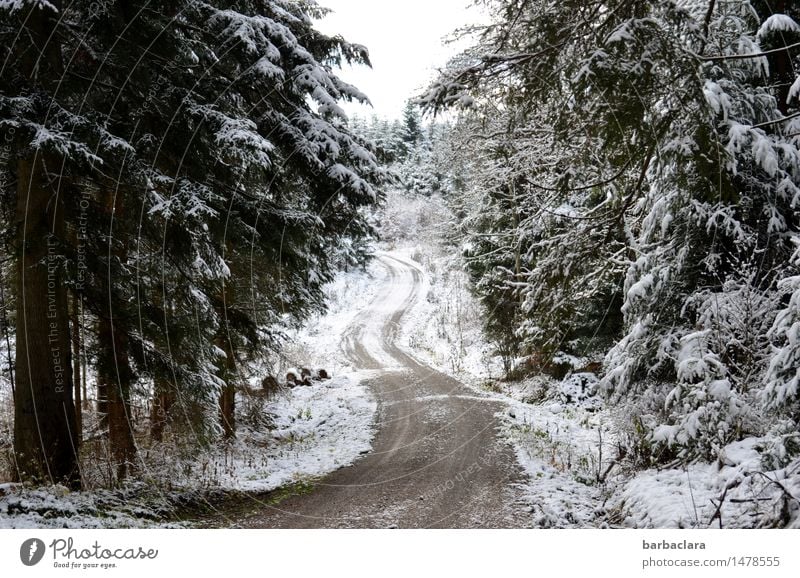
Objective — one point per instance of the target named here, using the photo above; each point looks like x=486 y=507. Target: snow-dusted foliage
x=783 y=376
x=634 y=191
x=210 y=182
x=409 y=147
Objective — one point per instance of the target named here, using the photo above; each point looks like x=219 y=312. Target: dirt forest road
x=436 y=462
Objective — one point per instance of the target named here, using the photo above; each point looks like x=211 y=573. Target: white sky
x=404 y=39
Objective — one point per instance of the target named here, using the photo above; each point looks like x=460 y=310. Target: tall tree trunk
x=227 y=406
x=84 y=364
x=45 y=432
x=102 y=403
x=227 y=400
x=784 y=71
x=45 y=441
x=6 y=338
x=75 y=331
x=113 y=371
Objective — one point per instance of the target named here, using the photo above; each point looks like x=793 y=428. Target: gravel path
x=437 y=461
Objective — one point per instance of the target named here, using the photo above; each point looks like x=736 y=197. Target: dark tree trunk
x=84 y=393
x=6 y=338
x=227 y=400
x=781 y=66
x=102 y=404
x=227 y=405
x=76 y=366
x=45 y=432
x=113 y=370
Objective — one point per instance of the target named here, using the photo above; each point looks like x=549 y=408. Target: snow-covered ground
x=318 y=343
x=318 y=429
x=566 y=440
x=735 y=492
x=135 y=506
x=557 y=444
x=444 y=328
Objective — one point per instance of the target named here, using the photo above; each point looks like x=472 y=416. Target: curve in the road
x=437 y=461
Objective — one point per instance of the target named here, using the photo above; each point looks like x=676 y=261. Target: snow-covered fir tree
x=651 y=151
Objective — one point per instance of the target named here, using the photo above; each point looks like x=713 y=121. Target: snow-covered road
x=437 y=460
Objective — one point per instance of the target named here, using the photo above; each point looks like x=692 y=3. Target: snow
x=764 y=153
x=312 y=430
x=717 y=99
x=794 y=90
x=547 y=438
x=266 y=67
x=580 y=388
x=254 y=32
x=317 y=429
x=639 y=290
x=319 y=342
x=443 y=330
x=561 y=456
x=565 y=438
x=621 y=34
x=297 y=456
x=776 y=24
x=63 y=143
x=689 y=497
x=720 y=389
x=237 y=133
x=57 y=507
x=13 y=5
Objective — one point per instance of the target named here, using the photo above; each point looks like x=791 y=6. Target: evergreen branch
x=723 y=57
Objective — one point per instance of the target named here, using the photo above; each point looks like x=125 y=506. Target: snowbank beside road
x=317 y=429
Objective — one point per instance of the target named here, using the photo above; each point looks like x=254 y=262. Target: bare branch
x=706 y=24
x=776 y=121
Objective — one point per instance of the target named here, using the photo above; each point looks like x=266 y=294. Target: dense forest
x=180 y=187
x=627 y=191
x=178 y=182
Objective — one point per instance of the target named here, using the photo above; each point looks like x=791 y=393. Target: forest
x=171 y=199
x=603 y=197
x=632 y=196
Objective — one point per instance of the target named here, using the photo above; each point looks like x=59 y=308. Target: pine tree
x=411 y=132
x=45 y=433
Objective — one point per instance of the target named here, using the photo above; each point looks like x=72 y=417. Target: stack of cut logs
x=304 y=376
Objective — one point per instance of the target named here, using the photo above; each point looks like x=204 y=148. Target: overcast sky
x=404 y=39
